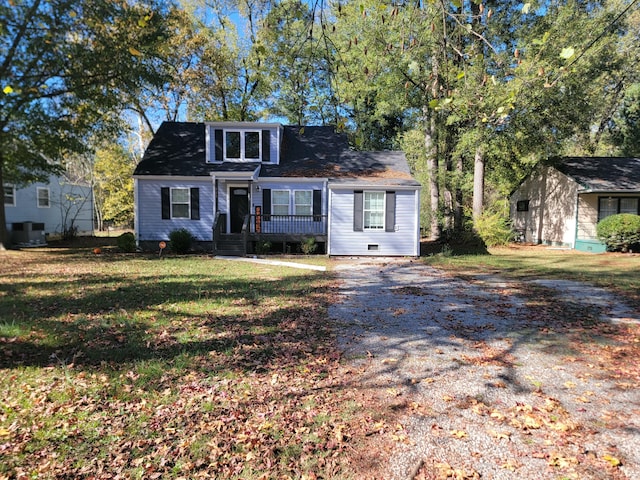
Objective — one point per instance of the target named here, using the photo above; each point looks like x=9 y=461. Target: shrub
x=263 y=248
x=180 y=241
x=620 y=232
x=126 y=242
x=308 y=245
x=493 y=228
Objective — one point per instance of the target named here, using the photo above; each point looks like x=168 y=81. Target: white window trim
x=364 y=211
x=13 y=195
x=242 y=145
x=188 y=203
x=43 y=189
x=310 y=204
x=273 y=204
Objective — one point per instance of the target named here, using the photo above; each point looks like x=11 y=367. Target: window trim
x=13 y=195
x=380 y=228
x=243 y=135
x=43 y=189
x=172 y=203
x=309 y=205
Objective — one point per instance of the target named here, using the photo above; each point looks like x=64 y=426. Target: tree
x=58 y=87
x=113 y=185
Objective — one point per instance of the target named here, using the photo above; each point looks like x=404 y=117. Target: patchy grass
x=139 y=367
x=615 y=271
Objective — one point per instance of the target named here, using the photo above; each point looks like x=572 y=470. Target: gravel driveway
x=492 y=387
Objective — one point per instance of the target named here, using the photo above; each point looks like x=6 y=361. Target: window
x=10 y=196
x=43 y=197
x=180 y=205
x=242 y=145
x=608 y=206
x=280 y=202
x=373 y=210
x=303 y=202
x=522 y=206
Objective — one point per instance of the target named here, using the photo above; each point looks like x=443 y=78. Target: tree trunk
x=4 y=236
x=432 y=170
x=478 y=184
x=458 y=214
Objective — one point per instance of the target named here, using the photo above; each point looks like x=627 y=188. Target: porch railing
x=288 y=224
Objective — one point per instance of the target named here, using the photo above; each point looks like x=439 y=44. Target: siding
x=26 y=207
x=587 y=216
x=343 y=240
x=149 y=222
x=551 y=218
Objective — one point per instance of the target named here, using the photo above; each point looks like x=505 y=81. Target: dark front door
x=238 y=208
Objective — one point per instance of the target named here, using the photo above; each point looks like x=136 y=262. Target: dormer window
x=238 y=142
x=242 y=145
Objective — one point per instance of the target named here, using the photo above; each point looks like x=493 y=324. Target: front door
x=238 y=207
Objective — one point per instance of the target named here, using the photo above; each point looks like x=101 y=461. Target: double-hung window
x=373 y=210
x=242 y=145
x=180 y=203
x=303 y=202
x=43 y=197
x=280 y=202
x=608 y=206
x=10 y=195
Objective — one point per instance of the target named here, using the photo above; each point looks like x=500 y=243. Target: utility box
x=28 y=233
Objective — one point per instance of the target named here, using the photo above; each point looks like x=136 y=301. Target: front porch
x=261 y=233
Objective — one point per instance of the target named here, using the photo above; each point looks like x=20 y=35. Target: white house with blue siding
x=38 y=210
x=240 y=186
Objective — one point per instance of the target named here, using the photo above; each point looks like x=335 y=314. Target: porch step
x=230 y=245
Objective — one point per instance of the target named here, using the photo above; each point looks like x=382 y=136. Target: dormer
x=243 y=142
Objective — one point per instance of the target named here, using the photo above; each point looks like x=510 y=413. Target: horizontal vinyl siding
x=344 y=241
x=26 y=207
x=150 y=224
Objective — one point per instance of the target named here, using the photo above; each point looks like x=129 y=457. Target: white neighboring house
x=237 y=186
x=561 y=203
x=42 y=209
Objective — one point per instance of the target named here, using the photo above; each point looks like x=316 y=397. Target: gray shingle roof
x=602 y=174
x=178 y=149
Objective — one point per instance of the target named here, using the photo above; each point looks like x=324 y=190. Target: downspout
x=575 y=237
x=136 y=216
x=328 y=190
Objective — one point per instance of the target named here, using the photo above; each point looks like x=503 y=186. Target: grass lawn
x=182 y=367
x=616 y=271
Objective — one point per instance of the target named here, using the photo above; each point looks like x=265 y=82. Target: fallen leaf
x=613 y=461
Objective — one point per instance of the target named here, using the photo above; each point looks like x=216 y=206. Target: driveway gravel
x=493 y=387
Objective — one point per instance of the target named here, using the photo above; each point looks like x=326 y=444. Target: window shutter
x=165 y=195
x=317 y=205
x=195 y=204
x=390 y=212
x=266 y=145
x=218 y=138
x=358 y=211
x=266 y=204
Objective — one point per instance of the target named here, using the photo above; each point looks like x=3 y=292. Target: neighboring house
x=235 y=186
x=561 y=203
x=49 y=208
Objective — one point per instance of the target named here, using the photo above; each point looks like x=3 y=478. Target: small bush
x=308 y=246
x=126 y=242
x=493 y=228
x=263 y=248
x=180 y=241
x=620 y=232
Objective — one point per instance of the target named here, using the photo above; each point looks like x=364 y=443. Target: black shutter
x=218 y=138
x=165 y=195
x=266 y=204
x=390 y=212
x=358 y=211
x=266 y=145
x=317 y=205
x=195 y=204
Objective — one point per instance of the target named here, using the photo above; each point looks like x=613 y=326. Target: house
x=239 y=186
x=560 y=203
x=41 y=209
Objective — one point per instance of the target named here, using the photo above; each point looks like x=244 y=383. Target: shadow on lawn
x=93 y=319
